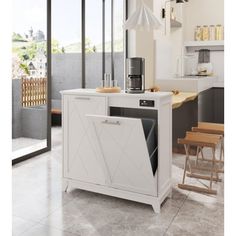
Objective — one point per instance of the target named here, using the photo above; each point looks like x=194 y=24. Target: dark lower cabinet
x=207 y=107
x=183 y=119
x=218 y=105
x=211 y=105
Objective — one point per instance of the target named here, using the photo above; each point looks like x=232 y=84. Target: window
x=87 y=41
x=104 y=41
x=93 y=43
x=66 y=46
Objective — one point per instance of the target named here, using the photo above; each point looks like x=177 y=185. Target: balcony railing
x=34 y=91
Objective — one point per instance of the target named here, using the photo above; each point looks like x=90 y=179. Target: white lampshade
x=142 y=18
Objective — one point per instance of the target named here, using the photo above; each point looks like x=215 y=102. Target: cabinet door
x=125 y=153
x=82 y=160
x=219 y=105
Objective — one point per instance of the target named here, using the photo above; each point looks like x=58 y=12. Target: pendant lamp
x=142 y=19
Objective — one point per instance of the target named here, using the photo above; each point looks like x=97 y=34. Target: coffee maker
x=135 y=77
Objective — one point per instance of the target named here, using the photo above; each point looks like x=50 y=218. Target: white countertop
x=93 y=92
x=195 y=84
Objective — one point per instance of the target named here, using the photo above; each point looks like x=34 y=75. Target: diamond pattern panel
x=125 y=153
x=83 y=157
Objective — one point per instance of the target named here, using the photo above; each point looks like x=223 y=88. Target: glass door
x=30 y=79
x=66 y=58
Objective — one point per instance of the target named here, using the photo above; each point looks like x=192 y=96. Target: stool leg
x=202 y=153
x=213 y=167
x=198 y=150
x=222 y=148
x=186 y=147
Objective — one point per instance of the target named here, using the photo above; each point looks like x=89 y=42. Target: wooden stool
x=200 y=140
x=211 y=128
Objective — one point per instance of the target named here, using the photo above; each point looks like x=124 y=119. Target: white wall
x=176 y=37
x=155 y=46
x=141 y=44
x=169 y=50
x=202 y=12
x=205 y=12
x=163 y=45
x=162 y=50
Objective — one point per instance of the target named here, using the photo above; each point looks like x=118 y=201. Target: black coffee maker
x=135 y=77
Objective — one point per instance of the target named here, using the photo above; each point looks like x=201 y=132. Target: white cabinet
x=109 y=154
x=81 y=156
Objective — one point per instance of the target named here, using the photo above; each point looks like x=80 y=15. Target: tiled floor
x=41 y=208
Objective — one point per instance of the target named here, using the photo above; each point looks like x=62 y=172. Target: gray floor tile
x=198 y=218
x=20 y=225
x=96 y=214
x=44 y=230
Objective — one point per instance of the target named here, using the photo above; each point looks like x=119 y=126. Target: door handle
x=82 y=98
x=111 y=122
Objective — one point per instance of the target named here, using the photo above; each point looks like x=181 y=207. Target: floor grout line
x=176 y=214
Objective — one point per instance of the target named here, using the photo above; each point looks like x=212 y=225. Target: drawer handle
x=110 y=122
x=82 y=98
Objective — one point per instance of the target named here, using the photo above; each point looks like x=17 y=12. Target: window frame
x=83 y=35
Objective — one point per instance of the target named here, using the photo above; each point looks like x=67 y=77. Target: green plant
x=25 y=68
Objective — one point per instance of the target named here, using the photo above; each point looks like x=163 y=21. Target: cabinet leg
x=65 y=185
x=156 y=207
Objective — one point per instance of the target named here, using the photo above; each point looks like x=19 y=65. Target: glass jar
x=212 y=32
x=205 y=33
x=219 y=32
x=198 y=33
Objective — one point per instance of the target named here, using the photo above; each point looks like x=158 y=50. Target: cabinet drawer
x=85 y=99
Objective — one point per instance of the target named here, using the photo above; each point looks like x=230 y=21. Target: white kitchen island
x=105 y=149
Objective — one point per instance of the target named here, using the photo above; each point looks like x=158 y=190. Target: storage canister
x=212 y=32
x=219 y=32
x=205 y=33
x=198 y=33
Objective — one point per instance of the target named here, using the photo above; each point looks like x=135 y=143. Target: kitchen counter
x=195 y=84
x=93 y=92
x=105 y=149
x=179 y=99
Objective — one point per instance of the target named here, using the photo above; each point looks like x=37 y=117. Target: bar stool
x=200 y=140
x=211 y=128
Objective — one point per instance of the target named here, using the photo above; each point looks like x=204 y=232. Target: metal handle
x=82 y=98
x=110 y=122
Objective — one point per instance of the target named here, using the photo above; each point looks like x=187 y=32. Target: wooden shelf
x=175 y=24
